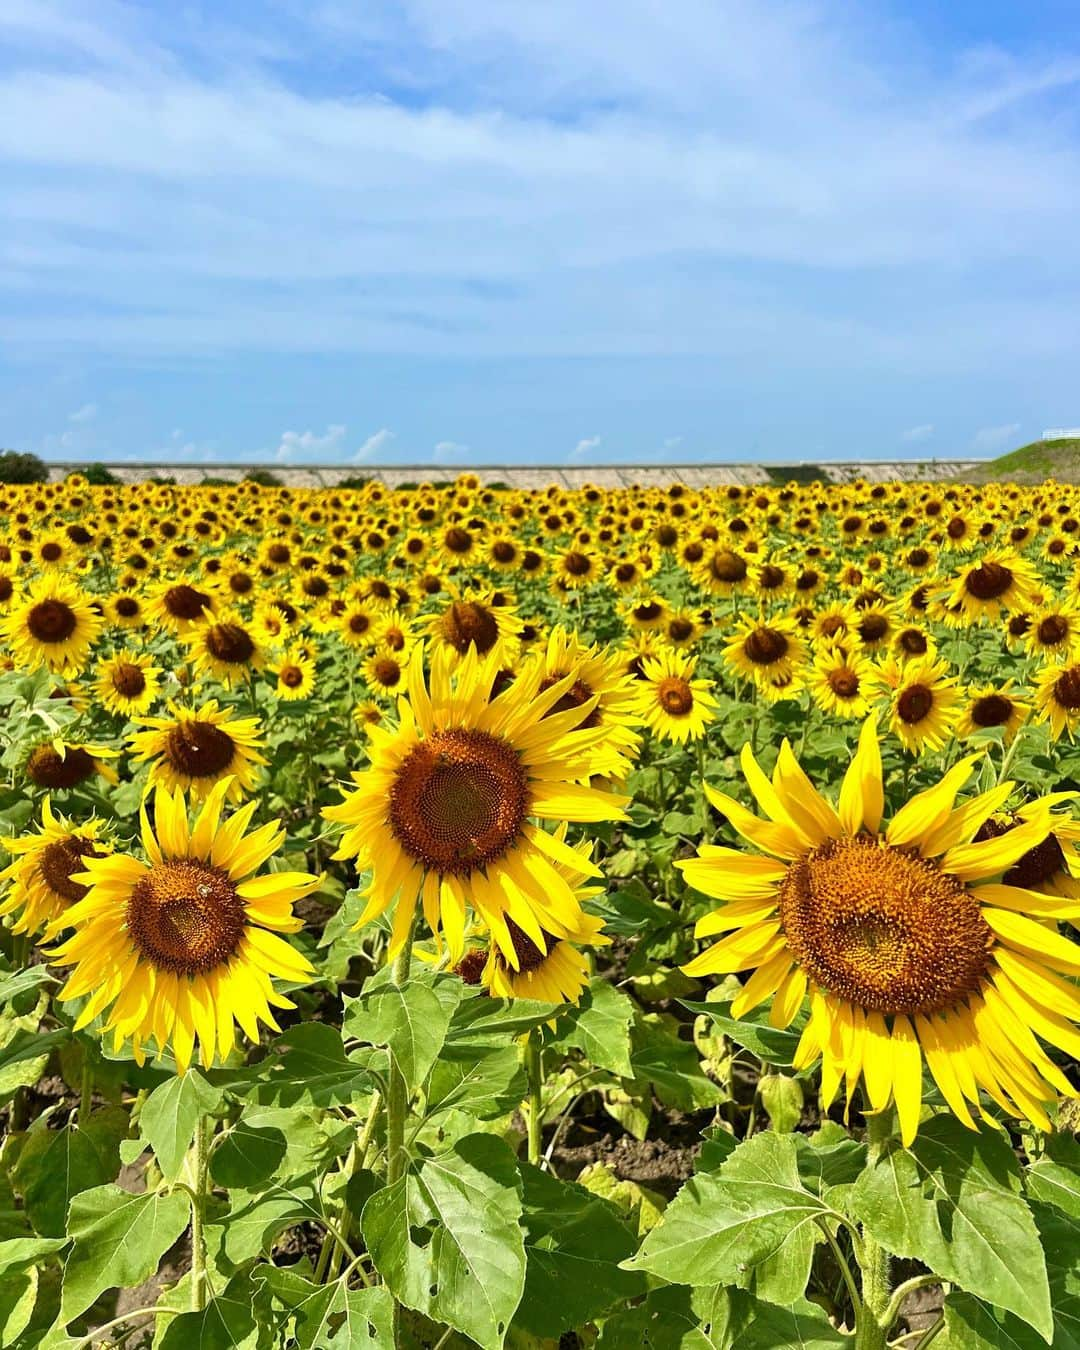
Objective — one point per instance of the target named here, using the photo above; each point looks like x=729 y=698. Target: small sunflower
x=1057 y=698
x=924 y=703
x=989 y=705
x=59 y=764
x=295 y=675
x=41 y=889
x=997 y=580
x=181 y=947
x=385 y=672
x=179 y=606
x=906 y=941
x=53 y=624
x=127 y=683
x=769 y=652
x=471 y=622
x=124 y=609
x=1054 y=632
x=671 y=703
x=194 y=749
x=841 y=684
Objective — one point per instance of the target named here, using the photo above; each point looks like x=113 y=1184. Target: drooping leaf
x=674 y=1317
x=119 y=1241
x=412 y=1021
x=573 y=1245
x=331 y=1315
x=487 y=1081
x=447 y=1238
x=481 y=1018
x=752 y=1032
x=952 y=1200
x=671 y=1065
x=311 y=1069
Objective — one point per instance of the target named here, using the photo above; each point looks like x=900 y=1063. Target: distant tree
x=21 y=468
x=264 y=478
x=162 y=479
x=211 y=480
x=356 y=480
x=97 y=475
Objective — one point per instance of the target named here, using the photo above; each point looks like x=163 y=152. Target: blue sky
x=551 y=230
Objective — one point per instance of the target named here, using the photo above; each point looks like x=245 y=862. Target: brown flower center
x=185 y=917
x=127 y=606
x=292 y=677
x=199 y=749
x=387 y=671
x=529 y=955
x=675 y=696
x=913 y=641
x=843 y=682
x=990 y=581
x=51 y=621
x=467 y=623
x=873 y=627
x=914 y=703
x=882 y=928
x=229 y=643
x=459 y=800
x=51 y=551
x=1052 y=630
x=503 y=551
x=59 y=859
x=1067 y=689
x=992 y=710
x=765 y=645
x=458 y=540
x=728 y=566
x=577 y=564
x=128 y=680
x=770 y=577
x=185 y=602
x=46 y=768
x=578 y=694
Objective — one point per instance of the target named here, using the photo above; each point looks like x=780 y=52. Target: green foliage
x=97 y=475
x=22 y=468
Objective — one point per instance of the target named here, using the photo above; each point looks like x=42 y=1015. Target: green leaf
x=311 y=1068
x=18 y=1252
x=482 y=1018
x=782 y=1098
x=54 y=1165
x=573 y=1245
x=769 y=1044
x=119 y=1241
x=677 y=1318
x=487 y=1081
x=253 y=1222
x=18 y=1295
x=20 y=981
x=952 y=1200
x=169 y=1114
x=31 y=1045
x=447 y=1238
x=330 y=1315
x=671 y=1065
x=752 y=1224
x=224 y=1324
x=411 y=1020
x=599 y=1026
x=803 y=1326
x=1055 y=1177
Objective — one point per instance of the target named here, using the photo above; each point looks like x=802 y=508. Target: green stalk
x=86 y=1092
x=871 y=1328
x=534 y=1072
x=198 y=1208
x=397 y=1101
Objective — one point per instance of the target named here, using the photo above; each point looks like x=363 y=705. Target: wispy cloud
x=86 y=413
x=449 y=452
x=375 y=445
x=584 y=448
x=922 y=432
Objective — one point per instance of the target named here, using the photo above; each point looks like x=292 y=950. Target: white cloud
x=447 y=452
x=995 y=438
x=671 y=443
x=310 y=445
x=374 y=445
x=919 y=433
x=86 y=413
x=584 y=447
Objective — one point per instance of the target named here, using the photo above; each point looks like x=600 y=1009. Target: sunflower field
x=461 y=916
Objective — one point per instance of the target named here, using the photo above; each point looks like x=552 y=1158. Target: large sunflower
x=907 y=941
x=443 y=812
x=40 y=875
x=195 y=748
x=52 y=625
x=181 y=946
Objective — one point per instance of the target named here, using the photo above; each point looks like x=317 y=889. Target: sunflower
x=471 y=622
x=356 y=624
x=989 y=705
x=671 y=703
x=60 y=764
x=127 y=683
x=40 y=875
x=384 y=672
x=1057 y=698
x=179 y=606
x=179 y=948
x=558 y=972
x=769 y=652
x=841 y=684
x=124 y=609
x=1054 y=633
x=578 y=566
x=721 y=570
x=1052 y=866
x=194 y=749
x=443 y=811
x=999 y=579
x=924 y=702
x=905 y=940
x=53 y=624
x=225 y=648
x=295 y=675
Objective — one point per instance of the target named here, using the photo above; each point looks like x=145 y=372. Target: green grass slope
x=1032 y=463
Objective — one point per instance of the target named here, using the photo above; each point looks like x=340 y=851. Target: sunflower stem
x=86 y=1091
x=535 y=1074
x=198 y=1206
x=397 y=1099
x=871 y=1328
x=1008 y=756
